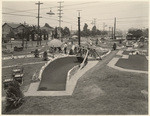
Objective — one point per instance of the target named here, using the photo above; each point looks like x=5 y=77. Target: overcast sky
x=128 y=14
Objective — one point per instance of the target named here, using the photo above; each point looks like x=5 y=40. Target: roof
x=13 y=25
x=47 y=28
x=129 y=34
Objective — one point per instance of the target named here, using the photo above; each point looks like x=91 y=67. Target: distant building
x=129 y=36
x=11 y=27
x=48 y=29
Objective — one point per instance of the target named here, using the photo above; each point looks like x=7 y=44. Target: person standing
x=65 y=48
x=114 y=46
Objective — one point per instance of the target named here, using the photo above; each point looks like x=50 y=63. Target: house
x=48 y=29
x=129 y=36
x=8 y=28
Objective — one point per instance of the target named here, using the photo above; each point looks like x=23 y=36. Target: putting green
x=54 y=75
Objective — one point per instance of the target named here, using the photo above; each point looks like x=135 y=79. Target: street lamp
x=50 y=12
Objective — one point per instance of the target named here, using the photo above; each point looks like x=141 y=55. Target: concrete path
x=120 y=53
x=19 y=56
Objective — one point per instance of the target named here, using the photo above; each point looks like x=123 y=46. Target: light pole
x=79 y=27
x=49 y=13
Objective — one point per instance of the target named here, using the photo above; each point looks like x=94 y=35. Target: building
x=48 y=29
x=129 y=36
x=8 y=28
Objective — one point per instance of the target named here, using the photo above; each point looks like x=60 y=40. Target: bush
x=14 y=96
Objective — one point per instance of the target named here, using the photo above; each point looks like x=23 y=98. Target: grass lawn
x=135 y=62
x=20 y=61
x=127 y=53
x=102 y=90
x=25 y=51
x=29 y=70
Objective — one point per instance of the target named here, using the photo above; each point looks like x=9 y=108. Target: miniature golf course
x=54 y=76
x=134 y=62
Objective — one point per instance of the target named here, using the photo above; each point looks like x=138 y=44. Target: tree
x=85 y=28
x=145 y=32
x=137 y=33
x=94 y=30
x=104 y=32
x=66 y=31
x=86 y=31
x=98 y=32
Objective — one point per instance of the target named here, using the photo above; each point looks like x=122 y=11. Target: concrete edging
x=115 y=60
x=68 y=75
x=70 y=84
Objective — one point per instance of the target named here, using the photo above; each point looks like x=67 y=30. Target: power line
x=54 y=19
x=132 y=17
x=15 y=11
x=133 y=20
x=90 y=3
x=18 y=15
x=49 y=7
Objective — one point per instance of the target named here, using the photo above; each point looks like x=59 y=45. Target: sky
x=128 y=13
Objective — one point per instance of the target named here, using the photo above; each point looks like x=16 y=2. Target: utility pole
x=109 y=31
x=104 y=26
x=112 y=32
x=38 y=20
x=114 y=28
x=79 y=27
x=60 y=16
x=94 y=22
